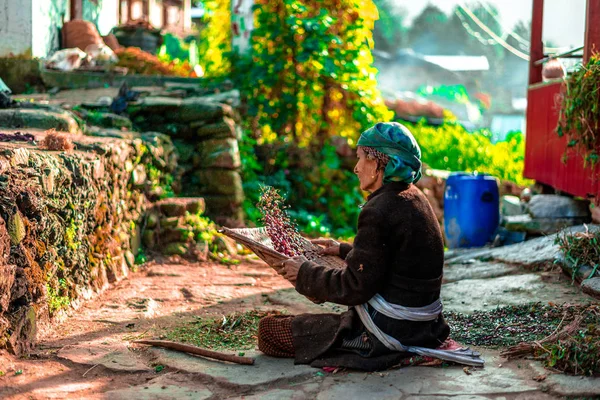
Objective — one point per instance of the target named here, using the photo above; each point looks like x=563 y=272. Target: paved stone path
x=475 y=280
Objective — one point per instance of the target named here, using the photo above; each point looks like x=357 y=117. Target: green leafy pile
x=572 y=346
x=581 y=249
x=235 y=331
x=577 y=353
x=511 y=325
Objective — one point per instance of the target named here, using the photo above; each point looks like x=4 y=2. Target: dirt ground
x=90 y=354
x=158 y=296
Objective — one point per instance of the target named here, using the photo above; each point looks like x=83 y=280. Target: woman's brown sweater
x=398 y=252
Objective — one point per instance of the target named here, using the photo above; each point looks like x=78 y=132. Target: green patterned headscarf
x=396 y=141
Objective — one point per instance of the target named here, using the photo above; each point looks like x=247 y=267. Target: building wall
x=47 y=20
x=33 y=27
x=15 y=27
x=156 y=13
x=104 y=13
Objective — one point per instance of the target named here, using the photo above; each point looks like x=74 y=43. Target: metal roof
x=460 y=63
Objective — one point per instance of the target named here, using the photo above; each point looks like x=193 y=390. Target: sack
x=66 y=59
x=111 y=41
x=101 y=55
x=80 y=34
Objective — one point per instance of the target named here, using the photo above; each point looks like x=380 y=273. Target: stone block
x=554 y=206
x=172 y=235
x=149 y=239
x=218 y=153
x=219 y=182
x=7 y=278
x=510 y=206
x=539 y=226
x=178 y=249
x=170 y=222
x=107 y=120
x=178 y=206
x=4 y=243
x=230 y=97
x=185 y=151
x=38 y=119
x=225 y=244
x=225 y=210
x=172 y=109
x=266 y=370
x=220 y=129
x=24 y=329
x=592 y=287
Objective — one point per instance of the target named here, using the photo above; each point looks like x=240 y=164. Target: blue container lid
x=469 y=176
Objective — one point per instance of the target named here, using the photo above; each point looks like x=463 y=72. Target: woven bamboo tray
x=257 y=240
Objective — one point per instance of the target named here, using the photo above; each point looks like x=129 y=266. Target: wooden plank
x=592 y=29
x=76 y=9
x=537 y=46
x=129 y=10
x=146 y=10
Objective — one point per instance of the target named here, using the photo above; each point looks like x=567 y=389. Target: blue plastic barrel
x=471 y=209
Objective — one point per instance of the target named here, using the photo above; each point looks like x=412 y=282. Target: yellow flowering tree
x=310 y=75
x=214 y=44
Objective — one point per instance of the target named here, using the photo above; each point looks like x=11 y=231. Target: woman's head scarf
x=396 y=141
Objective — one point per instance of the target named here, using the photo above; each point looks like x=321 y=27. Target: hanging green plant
x=579 y=119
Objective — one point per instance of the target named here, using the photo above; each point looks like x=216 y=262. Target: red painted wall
x=544 y=150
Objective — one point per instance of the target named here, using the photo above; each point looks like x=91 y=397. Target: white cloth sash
x=428 y=313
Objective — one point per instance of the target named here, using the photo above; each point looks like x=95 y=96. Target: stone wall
x=70 y=222
x=205 y=133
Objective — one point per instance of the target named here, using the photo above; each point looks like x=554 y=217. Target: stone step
x=39 y=119
x=178 y=206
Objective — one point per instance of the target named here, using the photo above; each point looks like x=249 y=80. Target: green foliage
x=57 y=300
x=577 y=354
x=322 y=193
x=581 y=250
x=251 y=176
x=214 y=42
x=174 y=48
x=579 y=117
x=451 y=147
x=310 y=76
x=73 y=236
x=455 y=93
x=161 y=182
x=326 y=197
x=140 y=257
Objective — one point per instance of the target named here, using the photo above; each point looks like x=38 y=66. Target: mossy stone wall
x=70 y=223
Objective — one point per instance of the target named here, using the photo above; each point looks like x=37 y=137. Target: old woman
x=393 y=275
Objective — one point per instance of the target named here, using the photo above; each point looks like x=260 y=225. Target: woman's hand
x=330 y=246
x=290 y=267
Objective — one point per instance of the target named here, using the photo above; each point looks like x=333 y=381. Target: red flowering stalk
x=281 y=229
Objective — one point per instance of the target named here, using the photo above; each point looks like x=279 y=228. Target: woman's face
x=366 y=169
